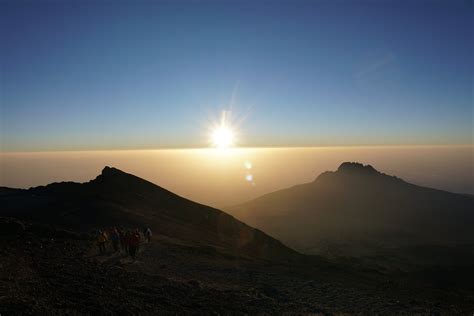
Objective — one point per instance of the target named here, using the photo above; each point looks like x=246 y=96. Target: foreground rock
x=47 y=271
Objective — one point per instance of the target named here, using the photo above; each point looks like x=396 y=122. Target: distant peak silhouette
x=348 y=170
x=356 y=204
x=356 y=167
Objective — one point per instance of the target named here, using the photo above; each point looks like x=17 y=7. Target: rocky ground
x=50 y=271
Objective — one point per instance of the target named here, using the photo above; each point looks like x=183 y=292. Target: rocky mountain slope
x=199 y=261
x=118 y=198
x=50 y=271
x=358 y=206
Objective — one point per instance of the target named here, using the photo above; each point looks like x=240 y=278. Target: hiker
x=147 y=233
x=101 y=240
x=114 y=237
x=133 y=243
x=126 y=241
x=122 y=240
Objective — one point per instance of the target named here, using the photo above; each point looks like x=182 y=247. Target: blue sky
x=124 y=75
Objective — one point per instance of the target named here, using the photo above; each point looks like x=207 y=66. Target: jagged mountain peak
x=113 y=173
x=349 y=170
x=356 y=167
x=108 y=171
x=116 y=177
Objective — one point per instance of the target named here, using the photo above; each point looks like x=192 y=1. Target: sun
x=223 y=133
x=223 y=137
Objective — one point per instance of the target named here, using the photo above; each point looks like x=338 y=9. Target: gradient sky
x=122 y=75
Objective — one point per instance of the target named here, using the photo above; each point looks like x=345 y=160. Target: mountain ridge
x=357 y=203
x=117 y=198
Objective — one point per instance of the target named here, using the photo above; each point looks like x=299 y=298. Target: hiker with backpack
x=133 y=243
x=115 y=238
x=147 y=233
x=101 y=240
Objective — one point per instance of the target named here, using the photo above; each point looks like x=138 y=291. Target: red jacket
x=134 y=239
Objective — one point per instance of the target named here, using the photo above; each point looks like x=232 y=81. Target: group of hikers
x=127 y=241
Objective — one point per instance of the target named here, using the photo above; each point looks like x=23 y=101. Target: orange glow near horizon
x=227 y=177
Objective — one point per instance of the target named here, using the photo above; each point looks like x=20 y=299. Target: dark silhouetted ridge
x=110 y=172
x=356 y=168
x=118 y=198
x=354 y=174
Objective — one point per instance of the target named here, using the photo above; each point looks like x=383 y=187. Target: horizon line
x=232 y=148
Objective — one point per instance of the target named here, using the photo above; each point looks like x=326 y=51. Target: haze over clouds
x=221 y=177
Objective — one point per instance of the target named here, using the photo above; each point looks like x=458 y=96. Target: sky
x=100 y=75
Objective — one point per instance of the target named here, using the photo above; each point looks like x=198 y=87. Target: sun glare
x=222 y=137
x=223 y=134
